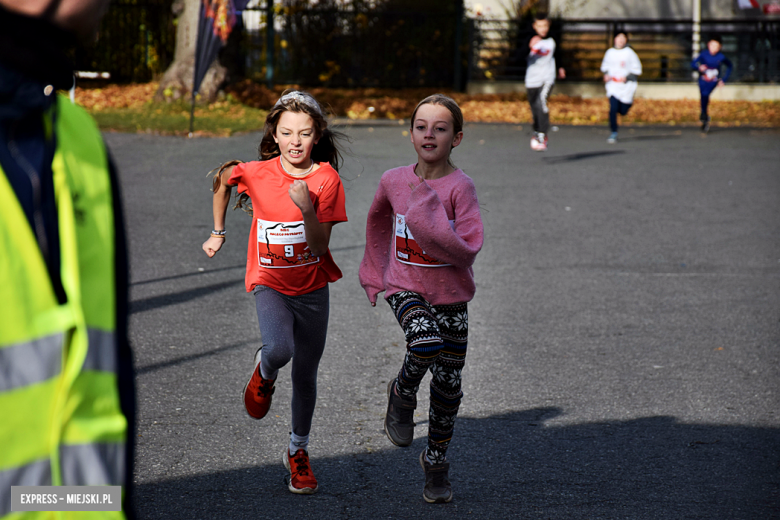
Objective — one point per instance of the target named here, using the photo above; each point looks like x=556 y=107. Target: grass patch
x=222 y=118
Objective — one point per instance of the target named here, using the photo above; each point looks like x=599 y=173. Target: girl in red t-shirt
x=296 y=197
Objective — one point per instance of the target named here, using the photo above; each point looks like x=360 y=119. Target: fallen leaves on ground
x=134 y=95
x=130 y=108
x=374 y=103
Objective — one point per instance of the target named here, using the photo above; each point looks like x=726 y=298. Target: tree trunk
x=177 y=80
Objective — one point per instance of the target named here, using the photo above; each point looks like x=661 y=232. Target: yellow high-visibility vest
x=60 y=417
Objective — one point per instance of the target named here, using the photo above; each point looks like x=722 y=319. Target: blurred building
x=665 y=9
x=666 y=34
x=629 y=9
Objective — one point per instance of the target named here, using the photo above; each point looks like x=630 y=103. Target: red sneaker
x=302 y=479
x=258 y=392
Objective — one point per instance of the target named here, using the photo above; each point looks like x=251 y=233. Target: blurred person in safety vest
x=67 y=395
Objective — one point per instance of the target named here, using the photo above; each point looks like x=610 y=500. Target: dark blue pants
x=706 y=88
x=705 y=100
x=616 y=107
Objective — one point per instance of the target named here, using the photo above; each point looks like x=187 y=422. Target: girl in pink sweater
x=423 y=234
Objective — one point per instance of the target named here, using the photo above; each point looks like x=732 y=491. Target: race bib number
x=408 y=251
x=711 y=74
x=282 y=244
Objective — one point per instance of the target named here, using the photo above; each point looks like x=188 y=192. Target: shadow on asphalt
x=657 y=137
x=219 y=269
x=580 y=156
x=192 y=357
x=164 y=300
x=511 y=466
x=188 y=275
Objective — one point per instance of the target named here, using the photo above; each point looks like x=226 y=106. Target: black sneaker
x=399 y=422
x=438 y=489
x=705 y=124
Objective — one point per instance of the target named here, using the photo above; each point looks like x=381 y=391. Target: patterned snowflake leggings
x=436 y=340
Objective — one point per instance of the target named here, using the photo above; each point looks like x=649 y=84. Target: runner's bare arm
x=317 y=233
x=219 y=209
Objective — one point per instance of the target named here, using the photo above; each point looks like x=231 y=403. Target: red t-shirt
x=277 y=256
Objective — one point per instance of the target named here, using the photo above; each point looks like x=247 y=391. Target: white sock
x=266 y=375
x=297 y=442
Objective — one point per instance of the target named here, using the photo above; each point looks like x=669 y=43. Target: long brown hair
x=327 y=148
x=448 y=103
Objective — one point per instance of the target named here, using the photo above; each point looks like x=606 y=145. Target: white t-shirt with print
x=541 y=64
x=618 y=64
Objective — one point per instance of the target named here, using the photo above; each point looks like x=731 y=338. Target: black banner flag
x=216 y=21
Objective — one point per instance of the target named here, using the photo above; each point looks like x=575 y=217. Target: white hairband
x=300 y=97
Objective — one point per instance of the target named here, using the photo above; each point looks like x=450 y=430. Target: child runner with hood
x=423 y=234
x=620 y=66
x=296 y=199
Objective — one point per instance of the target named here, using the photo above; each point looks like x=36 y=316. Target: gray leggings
x=294 y=327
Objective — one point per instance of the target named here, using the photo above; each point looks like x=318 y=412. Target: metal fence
x=664 y=46
x=374 y=48
x=135 y=42
x=359 y=47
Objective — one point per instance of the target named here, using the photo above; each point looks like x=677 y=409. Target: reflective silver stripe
x=101 y=354
x=31 y=362
x=36 y=473
x=92 y=464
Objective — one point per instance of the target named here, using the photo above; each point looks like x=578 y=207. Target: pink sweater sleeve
x=379 y=230
x=428 y=222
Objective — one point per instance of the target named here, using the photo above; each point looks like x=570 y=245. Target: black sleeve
x=125 y=370
x=556 y=33
x=523 y=48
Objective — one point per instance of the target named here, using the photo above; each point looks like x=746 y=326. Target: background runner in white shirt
x=620 y=66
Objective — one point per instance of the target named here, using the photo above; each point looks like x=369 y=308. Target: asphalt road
x=623 y=358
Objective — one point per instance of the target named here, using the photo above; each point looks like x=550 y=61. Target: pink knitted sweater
x=423 y=240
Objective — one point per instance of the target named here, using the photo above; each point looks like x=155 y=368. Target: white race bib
x=282 y=244
x=408 y=251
